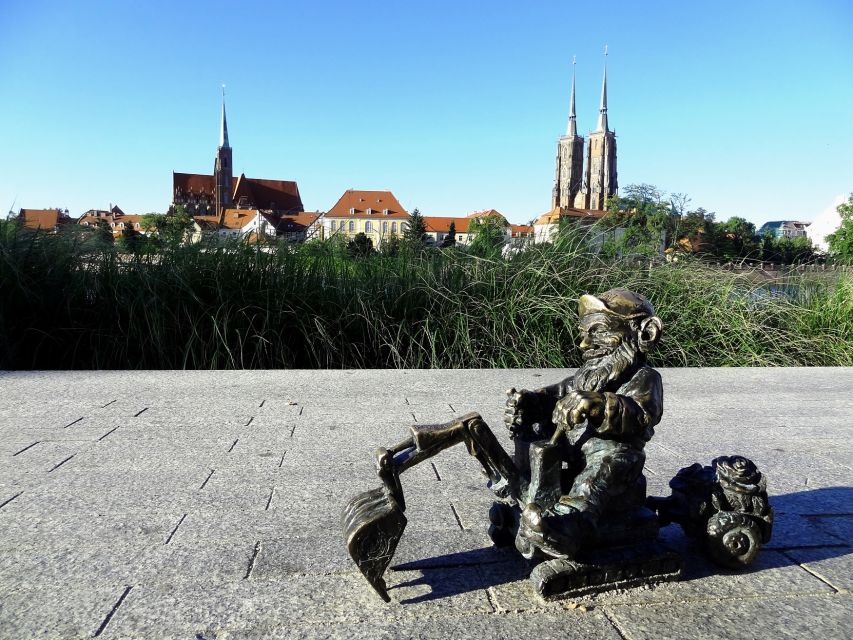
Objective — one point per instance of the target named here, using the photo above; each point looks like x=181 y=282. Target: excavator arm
x=374 y=521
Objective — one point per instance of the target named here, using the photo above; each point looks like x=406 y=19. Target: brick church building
x=211 y=197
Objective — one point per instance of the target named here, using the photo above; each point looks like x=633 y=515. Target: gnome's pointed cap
x=616 y=302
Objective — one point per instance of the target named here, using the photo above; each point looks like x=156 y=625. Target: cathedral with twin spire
x=584 y=181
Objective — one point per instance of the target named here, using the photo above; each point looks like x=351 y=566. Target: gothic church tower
x=223 y=170
x=600 y=181
x=569 y=174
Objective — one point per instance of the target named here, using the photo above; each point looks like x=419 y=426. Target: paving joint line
x=269 y=500
x=617 y=626
x=62 y=463
x=706 y=599
x=811 y=571
x=456 y=515
x=73 y=423
x=490 y=596
x=252 y=560
x=112 y=612
x=175 y=530
x=249 y=422
x=108 y=433
x=207 y=479
x=29 y=446
x=281 y=462
x=3 y=504
x=233 y=444
x=435 y=471
x=104 y=406
x=139 y=413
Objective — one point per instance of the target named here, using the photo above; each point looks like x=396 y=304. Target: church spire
x=223 y=175
x=602 y=112
x=572 y=129
x=223 y=132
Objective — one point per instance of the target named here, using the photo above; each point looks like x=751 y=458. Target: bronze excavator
x=572 y=497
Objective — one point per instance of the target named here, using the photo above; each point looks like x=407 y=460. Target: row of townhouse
x=377 y=214
x=114 y=219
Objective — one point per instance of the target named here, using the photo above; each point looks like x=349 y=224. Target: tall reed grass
x=67 y=304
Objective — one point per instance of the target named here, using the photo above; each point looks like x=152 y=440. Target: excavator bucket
x=373 y=524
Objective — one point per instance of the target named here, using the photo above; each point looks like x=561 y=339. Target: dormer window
x=369 y=211
x=352 y=211
x=385 y=212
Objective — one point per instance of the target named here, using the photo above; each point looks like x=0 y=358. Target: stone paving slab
x=170 y=504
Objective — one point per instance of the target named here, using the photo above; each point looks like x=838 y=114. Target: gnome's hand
x=577 y=407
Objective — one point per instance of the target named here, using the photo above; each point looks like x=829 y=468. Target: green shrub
x=71 y=303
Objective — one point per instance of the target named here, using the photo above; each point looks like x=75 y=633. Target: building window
x=384 y=226
x=393 y=227
x=352 y=225
x=368 y=226
x=333 y=225
x=403 y=227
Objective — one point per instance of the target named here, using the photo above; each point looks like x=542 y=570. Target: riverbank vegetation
x=72 y=302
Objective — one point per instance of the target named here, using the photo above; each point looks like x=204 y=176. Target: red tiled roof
x=486 y=213
x=113 y=215
x=207 y=222
x=549 y=217
x=441 y=224
x=92 y=216
x=239 y=218
x=281 y=195
x=437 y=224
x=553 y=216
x=361 y=201
x=193 y=183
x=235 y=218
x=521 y=229
x=42 y=218
x=293 y=223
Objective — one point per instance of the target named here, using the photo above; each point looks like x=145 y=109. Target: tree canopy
x=488 y=233
x=841 y=242
x=415 y=231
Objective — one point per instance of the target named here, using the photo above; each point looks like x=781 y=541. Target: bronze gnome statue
x=572 y=496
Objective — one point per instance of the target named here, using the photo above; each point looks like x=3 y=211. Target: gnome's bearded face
x=617 y=329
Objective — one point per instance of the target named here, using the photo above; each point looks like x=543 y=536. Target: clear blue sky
x=455 y=106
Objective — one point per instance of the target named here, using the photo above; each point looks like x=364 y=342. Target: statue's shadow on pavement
x=456 y=573
x=816 y=523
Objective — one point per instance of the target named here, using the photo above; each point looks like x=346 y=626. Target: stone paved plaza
x=204 y=505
